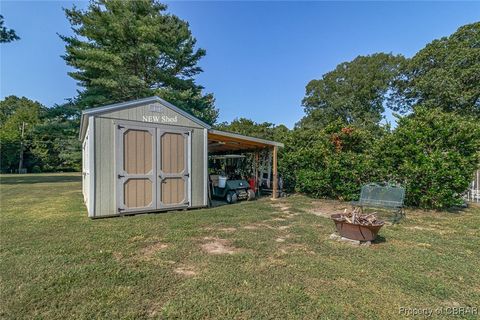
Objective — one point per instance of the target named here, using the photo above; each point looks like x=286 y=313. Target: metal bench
x=386 y=197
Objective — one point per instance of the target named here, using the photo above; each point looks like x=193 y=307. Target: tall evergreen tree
x=7 y=35
x=123 y=50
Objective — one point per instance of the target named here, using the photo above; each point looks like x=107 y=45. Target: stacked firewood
x=356 y=217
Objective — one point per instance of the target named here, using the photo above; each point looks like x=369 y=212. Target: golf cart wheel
x=231 y=197
x=251 y=195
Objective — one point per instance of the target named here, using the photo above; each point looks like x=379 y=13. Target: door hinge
x=120 y=127
x=120 y=209
x=187 y=203
x=121 y=176
x=187 y=175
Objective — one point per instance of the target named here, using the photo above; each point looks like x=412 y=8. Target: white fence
x=473 y=192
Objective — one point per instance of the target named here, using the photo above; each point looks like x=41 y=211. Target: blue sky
x=260 y=55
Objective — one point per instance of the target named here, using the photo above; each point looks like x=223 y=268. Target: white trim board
x=91 y=160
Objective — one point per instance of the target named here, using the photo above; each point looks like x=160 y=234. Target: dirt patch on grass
x=150 y=250
x=118 y=256
x=282 y=238
x=218 y=246
x=420 y=228
x=256 y=226
x=291 y=215
x=154 y=309
x=284 y=209
x=325 y=208
x=443 y=230
x=186 y=271
x=281 y=206
x=424 y=245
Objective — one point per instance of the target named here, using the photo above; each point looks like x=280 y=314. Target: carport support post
x=257 y=182
x=275 y=173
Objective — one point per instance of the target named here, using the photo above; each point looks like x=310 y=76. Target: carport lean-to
x=221 y=142
x=148 y=155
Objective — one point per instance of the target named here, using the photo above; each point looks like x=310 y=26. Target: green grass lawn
x=262 y=259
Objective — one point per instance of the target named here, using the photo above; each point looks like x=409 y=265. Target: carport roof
x=223 y=141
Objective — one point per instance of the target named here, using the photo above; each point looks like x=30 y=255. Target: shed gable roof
x=132 y=104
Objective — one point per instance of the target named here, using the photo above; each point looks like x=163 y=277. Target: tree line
x=344 y=140
x=123 y=50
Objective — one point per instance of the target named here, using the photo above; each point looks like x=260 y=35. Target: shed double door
x=152 y=168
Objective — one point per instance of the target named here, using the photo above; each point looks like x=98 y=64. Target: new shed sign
x=160 y=118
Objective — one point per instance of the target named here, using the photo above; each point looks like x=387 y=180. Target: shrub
x=434 y=155
x=333 y=162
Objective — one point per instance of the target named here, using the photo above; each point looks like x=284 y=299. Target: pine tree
x=7 y=35
x=123 y=50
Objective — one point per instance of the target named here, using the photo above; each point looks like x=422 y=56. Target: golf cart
x=227 y=182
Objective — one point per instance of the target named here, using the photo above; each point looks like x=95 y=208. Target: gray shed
x=149 y=155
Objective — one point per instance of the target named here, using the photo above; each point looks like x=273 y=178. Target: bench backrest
x=382 y=196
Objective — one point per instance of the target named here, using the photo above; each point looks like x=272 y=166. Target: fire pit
x=356 y=226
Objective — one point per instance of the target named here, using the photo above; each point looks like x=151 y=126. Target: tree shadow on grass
x=40 y=178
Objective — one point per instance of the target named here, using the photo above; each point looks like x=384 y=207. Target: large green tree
x=265 y=130
x=354 y=93
x=55 y=141
x=18 y=118
x=46 y=139
x=7 y=35
x=123 y=50
x=445 y=74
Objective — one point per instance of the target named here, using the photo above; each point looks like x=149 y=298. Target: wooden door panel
x=136 y=172
x=173 y=191
x=173 y=153
x=173 y=168
x=138 y=149
x=138 y=193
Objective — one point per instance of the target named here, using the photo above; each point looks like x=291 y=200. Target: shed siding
x=105 y=154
